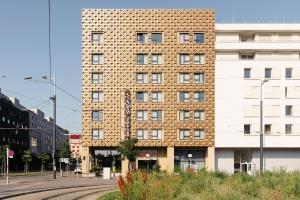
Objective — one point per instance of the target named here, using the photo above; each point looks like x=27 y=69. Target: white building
x=247 y=54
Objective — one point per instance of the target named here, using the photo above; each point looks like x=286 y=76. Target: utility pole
x=54 y=129
x=261 y=134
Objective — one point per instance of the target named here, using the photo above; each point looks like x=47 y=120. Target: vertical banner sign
x=127 y=114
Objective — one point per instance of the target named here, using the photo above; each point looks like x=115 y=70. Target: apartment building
x=75 y=143
x=254 y=60
x=148 y=74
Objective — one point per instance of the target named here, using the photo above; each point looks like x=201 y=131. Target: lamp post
x=261 y=137
x=51 y=81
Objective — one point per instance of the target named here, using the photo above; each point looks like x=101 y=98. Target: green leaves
x=127 y=149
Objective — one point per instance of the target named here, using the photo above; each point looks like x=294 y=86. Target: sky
x=24 y=43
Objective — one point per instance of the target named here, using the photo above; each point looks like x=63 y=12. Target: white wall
x=224 y=160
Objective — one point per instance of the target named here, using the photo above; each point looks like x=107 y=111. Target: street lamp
x=53 y=98
x=261 y=137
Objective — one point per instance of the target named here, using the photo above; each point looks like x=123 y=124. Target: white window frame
x=156 y=134
x=197 y=96
x=185 y=95
x=97 y=59
x=184 y=59
x=199 y=59
x=100 y=115
x=184 y=115
x=199 y=134
x=156 y=59
x=155 y=42
x=199 y=78
x=145 y=96
x=141 y=78
x=141 y=134
x=156 y=78
x=144 y=35
x=184 y=78
x=97 y=77
x=141 y=115
x=100 y=97
x=99 y=39
x=99 y=133
x=199 y=115
x=184 y=134
x=184 y=38
x=156 y=115
x=145 y=59
x=195 y=38
x=156 y=97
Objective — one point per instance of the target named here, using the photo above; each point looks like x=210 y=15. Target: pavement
x=43 y=186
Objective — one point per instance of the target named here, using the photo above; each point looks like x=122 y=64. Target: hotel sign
x=127 y=114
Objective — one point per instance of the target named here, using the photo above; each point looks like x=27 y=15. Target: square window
x=156 y=97
x=246 y=56
x=141 y=97
x=199 y=38
x=156 y=78
x=199 y=134
x=141 y=78
x=199 y=78
x=288 y=72
x=97 y=78
x=199 y=115
x=199 y=59
x=184 y=78
x=156 y=134
x=97 y=134
x=141 y=115
x=247 y=73
x=184 y=96
x=97 y=96
x=156 y=38
x=142 y=59
x=156 y=59
x=268 y=128
x=184 y=115
x=288 y=110
x=141 y=134
x=141 y=38
x=268 y=73
x=184 y=38
x=199 y=96
x=156 y=115
x=184 y=134
x=288 y=128
x=97 y=59
x=97 y=38
x=184 y=59
x=247 y=129
x=97 y=115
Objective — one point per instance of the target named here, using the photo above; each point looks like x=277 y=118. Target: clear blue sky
x=24 y=42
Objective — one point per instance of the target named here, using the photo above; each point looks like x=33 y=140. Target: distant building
x=75 y=142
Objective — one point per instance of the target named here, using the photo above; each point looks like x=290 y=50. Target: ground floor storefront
x=168 y=159
x=248 y=160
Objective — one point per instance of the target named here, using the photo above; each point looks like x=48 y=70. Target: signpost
x=9 y=154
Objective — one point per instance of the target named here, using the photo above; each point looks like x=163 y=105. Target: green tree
x=3 y=158
x=127 y=149
x=27 y=158
x=64 y=151
x=44 y=157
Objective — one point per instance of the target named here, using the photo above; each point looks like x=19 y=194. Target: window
x=156 y=134
x=267 y=128
x=288 y=110
x=141 y=115
x=156 y=97
x=247 y=73
x=199 y=59
x=156 y=38
x=184 y=78
x=141 y=97
x=97 y=115
x=184 y=97
x=199 y=115
x=199 y=96
x=184 y=134
x=97 y=59
x=268 y=72
x=97 y=78
x=97 y=96
x=184 y=38
x=156 y=115
x=97 y=134
x=97 y=38
x=184 y=115
x=246 y=56
x=288 y=128
x=184 y=59
x=156 y=59
x=141 y=134
x=156 y=78
x=199 y=134
x=199 y=38
x=288 y=72
x=247 y=129
x=34 y=142
x=199 y=78
x=141 y=78
x=141 y=38
x=142 y=59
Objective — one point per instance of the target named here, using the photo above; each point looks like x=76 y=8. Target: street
x=42 y=186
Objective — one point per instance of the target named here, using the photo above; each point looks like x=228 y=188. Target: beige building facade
x=164 y=60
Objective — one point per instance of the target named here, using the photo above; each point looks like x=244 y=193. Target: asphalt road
x=42 y=186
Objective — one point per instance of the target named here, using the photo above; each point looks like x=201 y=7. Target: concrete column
x=170 y=160
x=124 y=167
x=86 y=164
x=210 y=159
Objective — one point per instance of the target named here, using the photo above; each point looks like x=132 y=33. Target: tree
x=27 y=158
x=3 y=158
x=64 y=151
x=44 y=157
x=127 y=149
